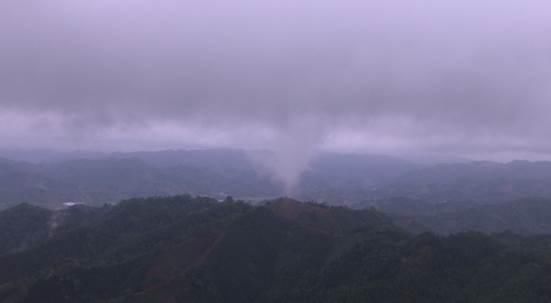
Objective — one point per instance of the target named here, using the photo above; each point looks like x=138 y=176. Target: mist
x=453 y=78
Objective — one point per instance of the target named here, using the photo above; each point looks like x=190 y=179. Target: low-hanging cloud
x=447 y=76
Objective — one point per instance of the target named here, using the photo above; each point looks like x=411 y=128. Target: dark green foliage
x=22 y=227
x=526 y=216
x=185 y=249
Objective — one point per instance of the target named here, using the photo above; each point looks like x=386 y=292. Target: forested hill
x=185 y=249
x=528 y=216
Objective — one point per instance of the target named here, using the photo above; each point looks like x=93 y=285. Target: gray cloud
x=441 y=76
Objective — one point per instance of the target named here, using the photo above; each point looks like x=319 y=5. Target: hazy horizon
x=452 y=79
x=267 y=151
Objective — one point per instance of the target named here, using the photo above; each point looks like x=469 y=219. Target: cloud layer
x=463 y=77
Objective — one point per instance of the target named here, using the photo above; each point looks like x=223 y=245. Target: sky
x=451 y=77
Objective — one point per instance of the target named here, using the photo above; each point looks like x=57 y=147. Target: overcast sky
x=458 y=77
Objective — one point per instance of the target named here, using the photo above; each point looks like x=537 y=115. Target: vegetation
x=525 y=216
x=185 y=249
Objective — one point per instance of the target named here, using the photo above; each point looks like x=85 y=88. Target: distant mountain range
x=112 y=177
x=184 y=249
x=339 y=179
x=481 y=182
